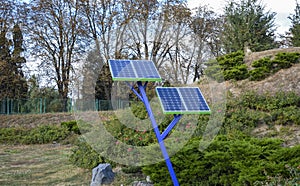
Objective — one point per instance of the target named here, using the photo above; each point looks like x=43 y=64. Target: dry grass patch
x=40 y=165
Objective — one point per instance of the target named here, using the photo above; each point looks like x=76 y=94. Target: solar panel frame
x=191 y=101
x=133 y=70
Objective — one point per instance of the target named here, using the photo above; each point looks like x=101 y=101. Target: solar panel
x=182 y=100
x=133 y=70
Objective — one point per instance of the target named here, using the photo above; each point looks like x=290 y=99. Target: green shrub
x=268 y=102
x=84 y=156
x=40 y=135
x=263 y=62
x=233 y=66
x=292 y=57
x=71 y=126
x=45 y=134
x=259 y=73
x=12 y=135
x=265 y=66
x=226 y=67
x=232 y=59
x=280 y=64
x=238 y=72
x=251 y=109
x=139 y=110
x=227 y=161
x=134 y=136
x=293 y=178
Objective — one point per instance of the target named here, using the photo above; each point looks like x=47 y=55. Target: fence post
x=44 y=105
x=7 y=106
x=11 y=106
x=41 y=105
x=70 y=105
x=97 y=104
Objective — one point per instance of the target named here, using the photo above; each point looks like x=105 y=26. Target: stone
x=141 y=183
x=102 y=174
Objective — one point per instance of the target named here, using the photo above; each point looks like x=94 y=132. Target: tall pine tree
x=295 y=28
x=246 y=23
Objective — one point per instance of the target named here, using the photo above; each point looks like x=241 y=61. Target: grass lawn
x=39 y=165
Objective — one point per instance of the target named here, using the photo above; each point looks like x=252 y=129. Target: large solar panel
x=133 y=70
x=182 y=100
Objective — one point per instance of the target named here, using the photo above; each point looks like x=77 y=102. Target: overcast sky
x=283 y=9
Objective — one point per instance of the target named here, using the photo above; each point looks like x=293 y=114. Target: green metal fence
x=46 y=105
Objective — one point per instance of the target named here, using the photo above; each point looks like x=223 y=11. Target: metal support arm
x=160 y=137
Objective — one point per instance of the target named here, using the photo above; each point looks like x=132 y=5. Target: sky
x=283 y=9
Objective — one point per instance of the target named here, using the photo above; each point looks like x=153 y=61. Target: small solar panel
x=133 y=70
x=182 y=100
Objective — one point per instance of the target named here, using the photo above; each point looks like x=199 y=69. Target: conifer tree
x=295 y=28
x=247 y=23
x=13 y=84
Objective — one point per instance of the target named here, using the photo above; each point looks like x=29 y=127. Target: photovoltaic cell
x=182 y=100
x=133 y=70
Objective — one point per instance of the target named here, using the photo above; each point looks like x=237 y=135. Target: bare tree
x=193 y=34
x=206 y=36
x=149 y=32
x=106 y=23
x=55 y=31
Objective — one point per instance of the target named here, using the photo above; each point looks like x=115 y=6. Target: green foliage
x=259 y=73
x=12 y=81
x=40 y=135
x=229 y=66
x=227 y=161
x=251 y=109
x=71 y=126
x=135 y=137
x=231 y=60
x=263 y=62
x=233 y=66
x=295 y=27
x=268 y=102
x=267 y=66
x=84 y=156
x=248 y=24
x=239 y=72
x=292 y=57
x=46 y=134
x=139 y=110
x=292 y=179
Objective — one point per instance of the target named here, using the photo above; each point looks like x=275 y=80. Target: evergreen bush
x=84 y=156
x=238 y=72
x=238 y=161
x=40 y=135
x=259 y=73
x=292 y=57
x=266 y=66
x=71 y=126
x=233 y=66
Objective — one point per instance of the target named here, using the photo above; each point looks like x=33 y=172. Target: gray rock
x=102 y=174
x=141 y=183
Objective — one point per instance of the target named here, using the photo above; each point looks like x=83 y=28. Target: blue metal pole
x=157 y=133
x=171 y=126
